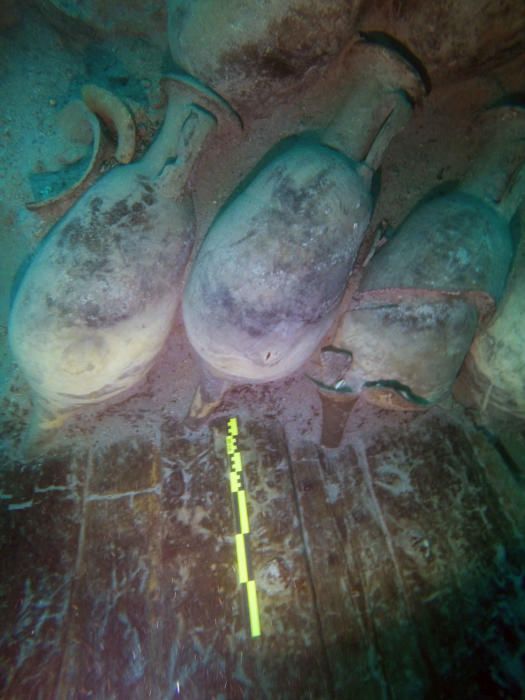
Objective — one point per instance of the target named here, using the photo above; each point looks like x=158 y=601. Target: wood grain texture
x=389 y=567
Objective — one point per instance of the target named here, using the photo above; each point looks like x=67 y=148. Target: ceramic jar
x=253 y=52
x=268 y=279
x=428 y=290
x=492 y=380
x=96 y=301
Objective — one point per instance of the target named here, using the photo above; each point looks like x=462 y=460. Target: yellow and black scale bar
x=242 y=526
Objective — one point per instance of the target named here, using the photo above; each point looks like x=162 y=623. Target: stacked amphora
x=268 y=280
x=96 y=302
x=430 y=289
x=492 y=380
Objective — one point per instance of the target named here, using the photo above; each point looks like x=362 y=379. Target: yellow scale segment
x=238 y=492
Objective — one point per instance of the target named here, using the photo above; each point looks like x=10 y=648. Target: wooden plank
x=208 y=648
x=200 y=622
x=351 y=590
x=42 y=506
x=469 y=537
x=503 y=460
x=113 y=634
x=289 y=660
x=390 y=567
x=418 y=539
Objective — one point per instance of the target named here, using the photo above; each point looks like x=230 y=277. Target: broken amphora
x=427 y=291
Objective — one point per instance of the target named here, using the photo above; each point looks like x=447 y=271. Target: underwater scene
x=262 y=349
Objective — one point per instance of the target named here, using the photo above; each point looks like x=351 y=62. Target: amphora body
x=97 y=300
x=269 y=277
x=425 y=294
